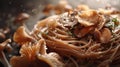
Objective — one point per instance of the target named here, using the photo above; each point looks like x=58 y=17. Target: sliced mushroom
x=106 y=35
x=91 y=17
x=83 y=31
x=103 y=36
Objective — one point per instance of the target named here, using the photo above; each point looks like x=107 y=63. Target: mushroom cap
x=33 y=55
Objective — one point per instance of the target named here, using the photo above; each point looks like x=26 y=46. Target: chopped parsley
x=113 y=24
x=115 y=20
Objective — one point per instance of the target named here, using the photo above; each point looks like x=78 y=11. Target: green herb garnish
x=116 y=22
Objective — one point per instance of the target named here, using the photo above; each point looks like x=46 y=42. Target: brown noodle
x=81 y=37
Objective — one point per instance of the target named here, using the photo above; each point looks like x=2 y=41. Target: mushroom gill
x=21 y=36
x=34 y=55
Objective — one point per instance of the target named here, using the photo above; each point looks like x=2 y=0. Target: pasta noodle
x=82 y=37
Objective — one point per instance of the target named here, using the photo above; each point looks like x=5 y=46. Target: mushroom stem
x=3 y=59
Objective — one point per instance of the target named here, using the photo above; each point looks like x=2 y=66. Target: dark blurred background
x=11 y=8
